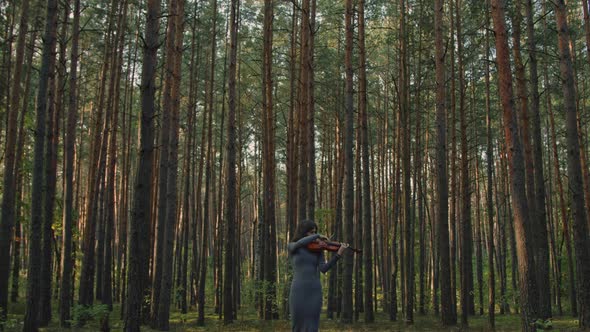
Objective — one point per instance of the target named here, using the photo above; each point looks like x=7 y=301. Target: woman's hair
x=303 y=228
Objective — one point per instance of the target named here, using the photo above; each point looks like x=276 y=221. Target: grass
x=248 y=321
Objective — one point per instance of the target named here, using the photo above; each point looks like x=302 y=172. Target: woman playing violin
x=305 y=299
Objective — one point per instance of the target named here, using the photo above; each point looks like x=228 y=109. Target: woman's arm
x=292 y=246
x=326 y=266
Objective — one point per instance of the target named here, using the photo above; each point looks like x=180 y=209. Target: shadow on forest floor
x=248 y=321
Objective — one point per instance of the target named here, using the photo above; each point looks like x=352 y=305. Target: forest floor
x=248 y=321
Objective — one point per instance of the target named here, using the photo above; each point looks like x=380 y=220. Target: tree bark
x=269 y=163
x=53 y=109
x=38 y=191
x=449 y=316
x=367 y=218
x=67 y=259
x=408 y=235
x=490 y=188
x=7 y=218
x=207 y=201
x=173 y=80
x=162 y=226
x=467 y=290
x=138 y=240
x=348 y=186
x=540 y=220
x=526 y=263
x=231 y=191
x=580 y=226
x=303 y=114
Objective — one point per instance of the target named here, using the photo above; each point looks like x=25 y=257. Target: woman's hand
x=342 y=248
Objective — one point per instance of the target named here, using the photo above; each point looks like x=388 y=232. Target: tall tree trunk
x=346 y=316
x=358 y=219
x=585 y=9
x=367 y=219
x=37 y=191
x=107 y=276
x=207 y=201
x=138 y=241
x=67 y=259
x=479 y=233
x=205 y=236
x=526 y=263
x=291 y=164
x=449 y=316
x=172 y=100
x=189 y=208
x=191 y=158
x=540 y=219
x=580 y=226
x=177 y=18
x=95 y=176
x=311 y=167
x=44 y=313
x=490 y=187
x=303 y=114
x=19 y=171
x=452 y=131
x=408 y=235
x=162 y=227
x=467 y=290
x=9 y=180
x=268 y=150
x=522 y=95
x=560 y=194
x=231 y=191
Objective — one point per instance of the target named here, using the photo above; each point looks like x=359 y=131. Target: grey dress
x=305 y=298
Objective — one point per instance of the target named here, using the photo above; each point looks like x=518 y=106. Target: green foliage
x=8 y=324
x=324 y=217
x=542 y=325
x=82 y=314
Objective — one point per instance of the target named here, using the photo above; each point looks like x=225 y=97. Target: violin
x=328 y=246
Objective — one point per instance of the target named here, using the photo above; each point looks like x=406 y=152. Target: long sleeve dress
x=305 y=299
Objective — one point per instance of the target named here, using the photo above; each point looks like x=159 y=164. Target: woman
x=305 y=299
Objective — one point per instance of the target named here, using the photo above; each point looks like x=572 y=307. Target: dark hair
x=303 y=228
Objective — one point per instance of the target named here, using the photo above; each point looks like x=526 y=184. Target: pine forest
x=157 y=158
